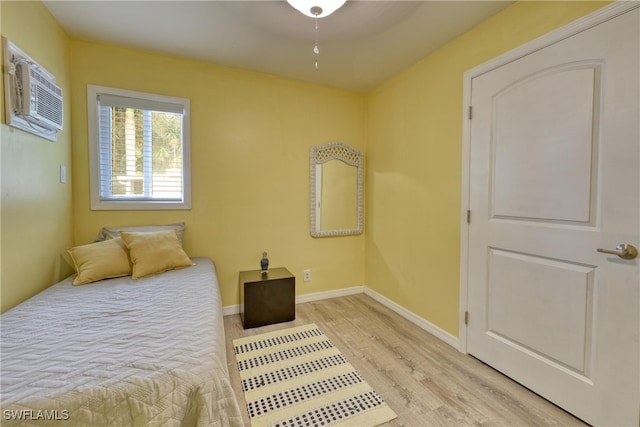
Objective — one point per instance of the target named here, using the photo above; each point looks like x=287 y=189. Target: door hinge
x=470 y=112
x=466 y=317
x=468 y=217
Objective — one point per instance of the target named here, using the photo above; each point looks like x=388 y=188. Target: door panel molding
x=509 y=274
x=558 y=107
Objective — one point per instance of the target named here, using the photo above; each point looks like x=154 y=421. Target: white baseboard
x=228 y=310
x=317 y=296
x=414 y=318
x=410 y=316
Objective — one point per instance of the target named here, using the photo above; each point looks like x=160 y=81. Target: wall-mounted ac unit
x=39 y=99
x=33 y=100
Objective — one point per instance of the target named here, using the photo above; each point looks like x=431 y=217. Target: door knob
x=624 y=251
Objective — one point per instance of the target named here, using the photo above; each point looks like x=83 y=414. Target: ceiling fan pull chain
x=316 y=49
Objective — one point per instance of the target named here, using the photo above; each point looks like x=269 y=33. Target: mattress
x=119 y=352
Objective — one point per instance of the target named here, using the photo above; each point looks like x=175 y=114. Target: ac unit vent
x=40 y=98
x=33 y=100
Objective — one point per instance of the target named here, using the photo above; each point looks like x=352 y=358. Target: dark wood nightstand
x=267 y=298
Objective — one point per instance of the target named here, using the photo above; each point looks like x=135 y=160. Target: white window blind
x=141 y=150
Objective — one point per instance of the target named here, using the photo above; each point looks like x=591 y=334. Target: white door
x=554 y=175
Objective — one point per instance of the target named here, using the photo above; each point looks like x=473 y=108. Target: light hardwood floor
x=424 y=380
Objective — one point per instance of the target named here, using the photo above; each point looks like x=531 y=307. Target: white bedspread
x=120 y=352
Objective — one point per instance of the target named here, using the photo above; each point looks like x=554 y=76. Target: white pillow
x=107 y=233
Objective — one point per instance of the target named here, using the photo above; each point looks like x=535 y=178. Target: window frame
x=97 y=202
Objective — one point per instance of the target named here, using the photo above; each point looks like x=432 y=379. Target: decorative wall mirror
x=337 y=190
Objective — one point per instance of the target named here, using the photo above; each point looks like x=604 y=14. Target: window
x=139 y=150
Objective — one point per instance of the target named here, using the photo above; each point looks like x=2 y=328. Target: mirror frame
x=337 y=151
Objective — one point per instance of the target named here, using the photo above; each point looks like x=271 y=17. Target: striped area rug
x=297 y=378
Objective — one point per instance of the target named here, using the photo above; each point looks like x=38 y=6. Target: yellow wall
x=36 y=207
x=250 y=141
x=413 y=181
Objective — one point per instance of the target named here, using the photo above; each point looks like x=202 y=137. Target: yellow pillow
x=102 y=260
x=155 y=252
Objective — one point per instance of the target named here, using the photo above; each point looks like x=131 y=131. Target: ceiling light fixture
x=309 y=7
x=317 y=9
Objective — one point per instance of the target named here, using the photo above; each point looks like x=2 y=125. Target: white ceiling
x=361 y=45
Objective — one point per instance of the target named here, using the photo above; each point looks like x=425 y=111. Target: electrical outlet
x=306 y=275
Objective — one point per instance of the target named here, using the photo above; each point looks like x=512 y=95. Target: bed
x=119 y=352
